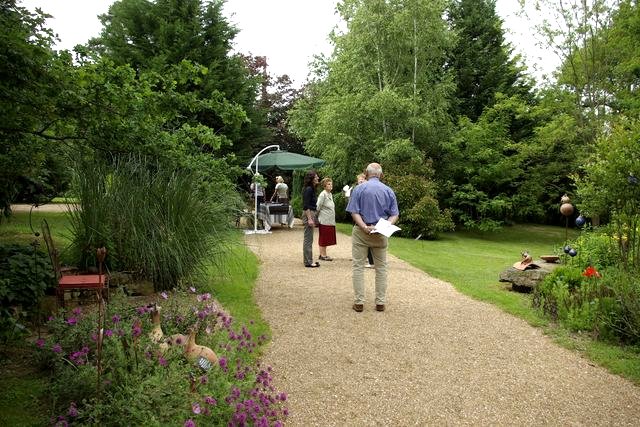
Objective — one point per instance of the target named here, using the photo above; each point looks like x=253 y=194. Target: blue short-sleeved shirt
x=373 y=200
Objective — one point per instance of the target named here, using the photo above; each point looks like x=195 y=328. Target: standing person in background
x=309 y=201
x=255 y=186
x=327 y=218
x=362 y=178
x=370 y=202
x=281 y=191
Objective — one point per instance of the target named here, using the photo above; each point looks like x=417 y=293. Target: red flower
x=590 y=272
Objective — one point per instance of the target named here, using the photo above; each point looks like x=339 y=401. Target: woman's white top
x=326 y=209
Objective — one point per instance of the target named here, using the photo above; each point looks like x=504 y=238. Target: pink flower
x=192 y=289
x=72 y=321
x=56 y=348
x=195 y=407
x=115 y=318
x=164 y=295
x=189 y=423
x=77 y=311
x=73 y=411
x=40 y=342
x=210 y=401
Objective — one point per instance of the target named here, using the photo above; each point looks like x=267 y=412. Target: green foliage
x=481 y=59
x=155 y=37
x=554 y=295
x=24 y=277
x=32 y=78
x=160 y=222
x=605 y=303
x=596 y=247
x=384 y=83
x=610 y=185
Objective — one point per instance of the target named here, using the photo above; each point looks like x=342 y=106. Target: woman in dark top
x=309 y=217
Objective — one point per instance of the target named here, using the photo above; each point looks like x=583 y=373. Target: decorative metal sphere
x=573 y=252
x=565 y=199
x=566 y=249
x=580 y=221
x=566 y=209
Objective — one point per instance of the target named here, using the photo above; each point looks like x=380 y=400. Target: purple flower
x=108 y=333
x=179 y=340
x=40 y=342
x=72 y=321
x=204 y=379
x=195 y=407
x=136 y=330
x=77 y=311
x=223 y=362
x=189 y=423
x=162 y=361
x=192 y=289
x=210 y=401
x=51 y=318
x=73 y=411
x=203 y=297
x=56 y=348
x=115 y=318
x=141 y=310
x=164 y=295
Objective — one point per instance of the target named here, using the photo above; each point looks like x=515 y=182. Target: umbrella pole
x=255 y=190
x=255 y=202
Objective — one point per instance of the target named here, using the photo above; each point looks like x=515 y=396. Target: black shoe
x=379 y=307
x=358 y=307
x=314 y=265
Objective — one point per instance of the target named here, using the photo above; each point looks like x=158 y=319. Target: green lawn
x=472 y=261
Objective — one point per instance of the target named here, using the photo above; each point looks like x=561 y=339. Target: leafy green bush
x=553 y=295
x=597 y=248
x=142 y=384
x=606 y=304
x=610 y=186
x=411 y=178
x=24 y=277
x=621 y=312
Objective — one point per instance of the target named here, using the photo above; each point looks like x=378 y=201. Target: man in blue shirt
x=369 y=202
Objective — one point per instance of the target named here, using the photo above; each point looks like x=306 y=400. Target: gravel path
x=435 y=357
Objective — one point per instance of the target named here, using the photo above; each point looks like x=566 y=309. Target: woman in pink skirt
x=326 y=211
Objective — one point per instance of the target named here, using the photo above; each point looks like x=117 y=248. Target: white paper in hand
x=347 y=191
x=385 y=228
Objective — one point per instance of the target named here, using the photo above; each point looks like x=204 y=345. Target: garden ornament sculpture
x=566 y=209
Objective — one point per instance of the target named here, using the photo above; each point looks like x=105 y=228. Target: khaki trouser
x=360 y=244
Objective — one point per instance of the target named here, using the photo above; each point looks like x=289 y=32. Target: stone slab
x=527 y=280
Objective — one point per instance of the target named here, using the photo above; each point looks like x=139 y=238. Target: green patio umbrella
x=287 y=161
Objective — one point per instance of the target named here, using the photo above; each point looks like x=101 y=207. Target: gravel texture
x=434 y=357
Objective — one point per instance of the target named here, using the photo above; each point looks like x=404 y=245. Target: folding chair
x=76 y=282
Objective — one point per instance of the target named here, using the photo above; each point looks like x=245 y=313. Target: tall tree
x=481 y=59
x=385 y=95
x=32 y=77
x=157 y=35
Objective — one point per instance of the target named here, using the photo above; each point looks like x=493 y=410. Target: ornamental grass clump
x=141 y=383
x=161 y=222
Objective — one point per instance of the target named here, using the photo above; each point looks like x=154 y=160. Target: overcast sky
x=287 y=32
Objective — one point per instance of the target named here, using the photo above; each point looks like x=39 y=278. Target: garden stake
x=35 y=245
